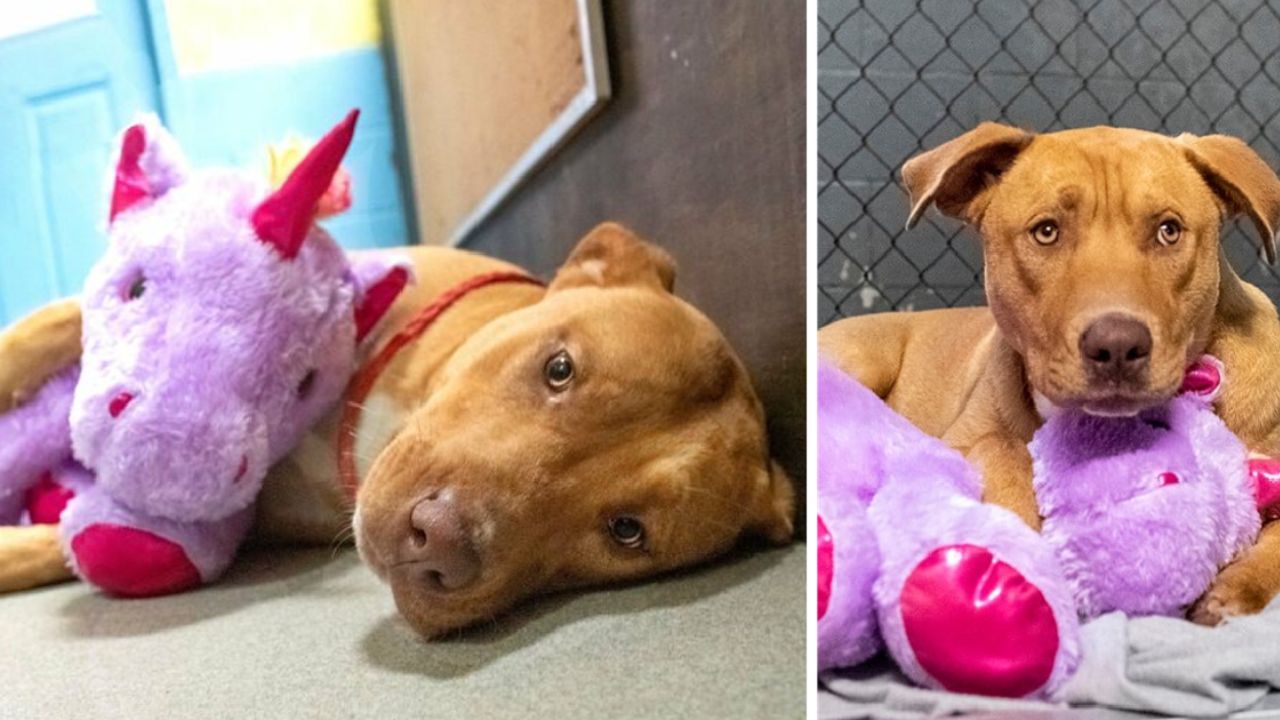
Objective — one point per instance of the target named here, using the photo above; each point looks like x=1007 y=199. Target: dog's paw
x=1232 y=594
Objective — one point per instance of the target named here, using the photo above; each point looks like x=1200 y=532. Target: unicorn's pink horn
x=284 y=218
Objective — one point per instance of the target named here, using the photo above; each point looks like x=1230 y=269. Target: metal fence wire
x=896 y=77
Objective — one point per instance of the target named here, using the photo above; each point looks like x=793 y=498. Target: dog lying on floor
x=1105 y=279
x=531 y=440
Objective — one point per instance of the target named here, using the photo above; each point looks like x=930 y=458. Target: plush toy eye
x=559 y=370
x=1046 y=233
x=304 y=386
x=137 y=289
x=1169 y=232
x=627 y=531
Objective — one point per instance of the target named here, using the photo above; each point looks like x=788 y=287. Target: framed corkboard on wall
x=490 y=90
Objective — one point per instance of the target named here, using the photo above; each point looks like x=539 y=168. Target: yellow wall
x=226 y=34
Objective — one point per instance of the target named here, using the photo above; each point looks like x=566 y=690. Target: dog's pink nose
x=119 y=403
x=439 y=546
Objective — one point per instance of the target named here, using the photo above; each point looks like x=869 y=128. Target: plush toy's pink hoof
x=130 y=562
x=977 y=625
x=826 y=567
x=46 y=500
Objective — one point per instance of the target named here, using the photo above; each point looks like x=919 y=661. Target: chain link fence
x=896 y=77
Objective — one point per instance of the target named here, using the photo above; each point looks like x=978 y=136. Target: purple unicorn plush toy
x=1139 y=513
x=218 y=327
x=1143 y=511
x=962 y=594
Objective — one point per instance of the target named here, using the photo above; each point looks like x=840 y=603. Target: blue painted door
x=65 y=90
x=227 y=114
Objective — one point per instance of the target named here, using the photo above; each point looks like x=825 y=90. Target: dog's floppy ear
x=956 y=172
x=610 y=256
x=774 y=507
x=1242 y=179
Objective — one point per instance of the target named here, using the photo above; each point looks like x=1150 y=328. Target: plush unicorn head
x=220 y=324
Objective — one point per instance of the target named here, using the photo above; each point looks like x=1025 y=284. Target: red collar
x=365 y=378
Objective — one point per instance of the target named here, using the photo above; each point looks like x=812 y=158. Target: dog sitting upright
x=1104 y=279
x=531 y=439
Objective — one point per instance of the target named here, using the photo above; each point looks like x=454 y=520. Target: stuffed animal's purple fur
x=1139 y=515
x=861 y=445
x=34 y=437
x=1143 y=511
x=216 y=332
x=895 y=500
x=213 y=352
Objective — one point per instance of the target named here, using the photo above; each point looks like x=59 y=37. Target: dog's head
x=607 y=432
x=1101 y=247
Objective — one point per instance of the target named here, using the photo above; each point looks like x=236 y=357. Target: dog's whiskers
x=344 y=536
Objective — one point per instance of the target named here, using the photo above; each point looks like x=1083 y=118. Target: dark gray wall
x=701 y=149
x=896 y=77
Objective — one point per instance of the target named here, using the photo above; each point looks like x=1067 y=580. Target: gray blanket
x=1153 y=664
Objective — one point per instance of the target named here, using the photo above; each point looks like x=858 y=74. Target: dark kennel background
x=896 y=77
x=702 y=150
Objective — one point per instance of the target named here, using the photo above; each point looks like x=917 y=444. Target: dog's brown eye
x=559 y=370
x=1046 y=233
x=1170 y=231
x=304 y=386
x=136 y=289
x=626 y=531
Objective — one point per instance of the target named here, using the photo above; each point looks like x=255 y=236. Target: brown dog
x=598 y=430
x=1104 y=279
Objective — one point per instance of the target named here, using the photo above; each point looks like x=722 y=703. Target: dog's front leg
x=1006 y=474
x=1005 y=465
x=31 y=556
x=1245 y=586
x=993 y=434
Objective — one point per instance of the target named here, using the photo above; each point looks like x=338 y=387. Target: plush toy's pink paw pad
x=1265 y=473
x=977 y=625
x=130 y=562
x=46 y=500
x=826 y=566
